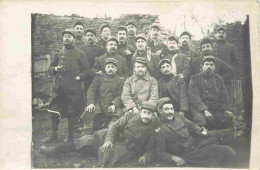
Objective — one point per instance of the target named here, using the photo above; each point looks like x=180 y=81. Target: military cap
x=140 y=36
x=156 y=25
x=141 y=60
x=148 y=105
x=68 y=31
x=163 y=101
x=122 y=28
x=222 y=28
x=111 y=60
x=78 y=23
x=209 y=57
x=112 y=38
x=185 y=33
x=165 y=60
x=90 y=30
x=172 y=38
x=131 y=22
x=205 y=41
x=104 y=26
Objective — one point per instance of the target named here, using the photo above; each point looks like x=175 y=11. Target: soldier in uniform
x=221 y=67
x=105 y=33
x=180 y=63
x=125 y=139
x=70 y=67
x=104 y=103
x=123 y=48
x=132 y=30
x=170 y=86
x=153 y=41
x=145 y=52
x=79 y=32
x=185 y=39
x=140 y=87
x=209 y=102
x=184 y=143
x=111 y=52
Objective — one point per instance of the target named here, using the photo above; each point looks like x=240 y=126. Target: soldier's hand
x=106 y=146
x=178 y=160
x=59 y=68
x=180 y=76
x=142 y=160
x=111 y=109
x=77 y=78
x=208 y=114
x=135 y=110
x=127 y=52
x=90 y=108
x=228 y=113
x=182 y=113
x=100 y=72
x=203 y=131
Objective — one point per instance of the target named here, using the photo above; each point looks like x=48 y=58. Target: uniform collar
x=146 y=77
x=182 y=48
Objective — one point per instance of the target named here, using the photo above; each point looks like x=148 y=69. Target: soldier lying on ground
x=104 y=99
x=184 y=143
x=125 y=139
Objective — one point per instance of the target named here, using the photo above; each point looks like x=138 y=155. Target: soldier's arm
x=191 y=125
x=224 y=98
x=154 y=95
x=194 y=95
x=54 y=63
x=117 y=102
x=125 y=68
x=226 y=71
x=117 y=126
x=184 y=97
x=186 y=67
x=126 y=95
x=97 y=65
x=93 y=90
x=85 y=68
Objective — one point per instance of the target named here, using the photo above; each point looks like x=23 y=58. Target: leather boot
x=52 y=138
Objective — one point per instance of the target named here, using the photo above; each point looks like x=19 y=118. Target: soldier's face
x=121 y=36
x=154 y=33
x=221 y=35
x=105 y=32
x=110 y=69
x=139 y=69
x=185 y=40
x=172 y=45
x=166 y=68
x=79 y=30
x=90 y=37
x=146 y=115
x=208 y=67
x=167 y=111
x=206 y=48
x=68 y=39
x=140 y=44
x=131 y=29
x=111 y=46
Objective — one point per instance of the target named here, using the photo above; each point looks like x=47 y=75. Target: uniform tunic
x=131 y=41
x=155 y=45
x=136 y=90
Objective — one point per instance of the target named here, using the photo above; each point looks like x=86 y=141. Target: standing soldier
x=179 y=62
x=79 y=32
x=123 y=48
x=70 y=67
x=111 y=52
x=132 y=30
x=170 y=86
x=104 y=102
x=145 y=52
x=153 y=41
x=140 y=87
x=185 y=39
x=105 y=33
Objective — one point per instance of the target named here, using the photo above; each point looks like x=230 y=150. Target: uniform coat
x=131 y=41
x=174 y=88
x=79 y=43
x=155 y=45
x=136 y=90
x=122 y=70
x=75 y=64
x=102 y=42
x=191 y=54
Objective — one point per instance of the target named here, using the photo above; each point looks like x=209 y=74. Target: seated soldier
x=209 y=103
x=184 y=143
x=125 y=139
x=171 y=86
x=104 y=98
x=140 y=87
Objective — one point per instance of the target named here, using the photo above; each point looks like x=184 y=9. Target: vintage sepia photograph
x=143 y=89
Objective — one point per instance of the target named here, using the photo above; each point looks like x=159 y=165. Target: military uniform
x=136 y=90
x=102 y=42
x=191 y=54
x=103 y=92
x=131 y=41
x=155 y=45
x=79 y=43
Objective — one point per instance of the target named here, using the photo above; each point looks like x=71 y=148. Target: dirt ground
x=41 y=129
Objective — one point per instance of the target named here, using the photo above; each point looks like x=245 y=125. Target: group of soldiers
x=138 y=97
